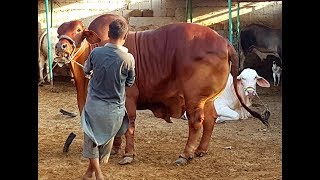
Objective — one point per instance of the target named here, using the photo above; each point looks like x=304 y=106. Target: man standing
x=103 y=116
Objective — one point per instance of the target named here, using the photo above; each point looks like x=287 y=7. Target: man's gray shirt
x=113 y=69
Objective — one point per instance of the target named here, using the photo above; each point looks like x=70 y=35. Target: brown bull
x=179 y=67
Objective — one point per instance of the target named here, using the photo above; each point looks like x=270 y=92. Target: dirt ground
x=238 y=150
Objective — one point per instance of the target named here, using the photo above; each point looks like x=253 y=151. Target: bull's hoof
x=200 y=154
x=113 y=152
x=126 y=160
x=181 y=161
x=168 y=119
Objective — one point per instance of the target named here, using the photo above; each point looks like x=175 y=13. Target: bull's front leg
x=81 y=86
x=116 y=145
x=128 y=157
x=81 y=83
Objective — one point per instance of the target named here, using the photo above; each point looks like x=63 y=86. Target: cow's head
x=248 y=79
x=71 y=36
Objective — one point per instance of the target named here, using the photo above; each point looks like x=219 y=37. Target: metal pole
x=189 y=11
x=51 y=12
x=238 y=32
x=230 y=22
x=49 y=43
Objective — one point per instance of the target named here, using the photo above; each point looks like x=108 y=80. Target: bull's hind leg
x=210 y=116
x=210 y=76
x=195 y=113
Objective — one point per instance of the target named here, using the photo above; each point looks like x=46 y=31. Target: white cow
x=228 y=106
x=43 y=58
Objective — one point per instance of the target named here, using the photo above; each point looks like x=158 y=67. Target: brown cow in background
x=179 y=67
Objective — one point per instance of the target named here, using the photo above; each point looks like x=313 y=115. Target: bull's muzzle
x=65 y=46
x=61 y=50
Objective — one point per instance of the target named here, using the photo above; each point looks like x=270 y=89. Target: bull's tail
x=233 y=58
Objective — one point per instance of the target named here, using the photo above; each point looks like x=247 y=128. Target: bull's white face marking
x=248 y=78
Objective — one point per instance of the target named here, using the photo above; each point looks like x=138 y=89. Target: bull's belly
x=172 y=107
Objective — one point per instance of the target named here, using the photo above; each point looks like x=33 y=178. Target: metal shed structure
x=189 y=18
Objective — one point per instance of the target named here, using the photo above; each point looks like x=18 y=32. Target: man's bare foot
x=89 y=176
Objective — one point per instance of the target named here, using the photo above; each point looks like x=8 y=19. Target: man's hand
x=89 y=76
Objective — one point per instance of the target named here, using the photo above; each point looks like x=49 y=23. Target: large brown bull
x=179 y=67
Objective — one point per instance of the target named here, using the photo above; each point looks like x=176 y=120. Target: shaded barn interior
x=252 y=60
x=263 y=67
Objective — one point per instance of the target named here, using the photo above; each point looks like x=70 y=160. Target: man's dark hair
x=117 y=29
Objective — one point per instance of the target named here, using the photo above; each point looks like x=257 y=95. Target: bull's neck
x=78 y=52
x=83 y=52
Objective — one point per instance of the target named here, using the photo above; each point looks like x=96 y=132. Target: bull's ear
x=262 y=82
x=91 y=36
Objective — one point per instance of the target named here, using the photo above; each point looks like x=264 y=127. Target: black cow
x=261 y=45
x=262 y=38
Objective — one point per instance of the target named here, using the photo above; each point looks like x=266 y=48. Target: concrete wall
x=151 y=14
x=213 y=13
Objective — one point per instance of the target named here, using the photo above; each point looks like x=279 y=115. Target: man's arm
x=87 y=67
x=131 y=73
x=131 y=78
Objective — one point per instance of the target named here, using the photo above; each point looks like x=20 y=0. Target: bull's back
x=100 y=25
x=202 y=54
x=170 y=55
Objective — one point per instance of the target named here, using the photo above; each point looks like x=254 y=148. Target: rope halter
x=250 y=89
x=73 y=53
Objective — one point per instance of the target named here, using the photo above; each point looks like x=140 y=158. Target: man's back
x=110 y=64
